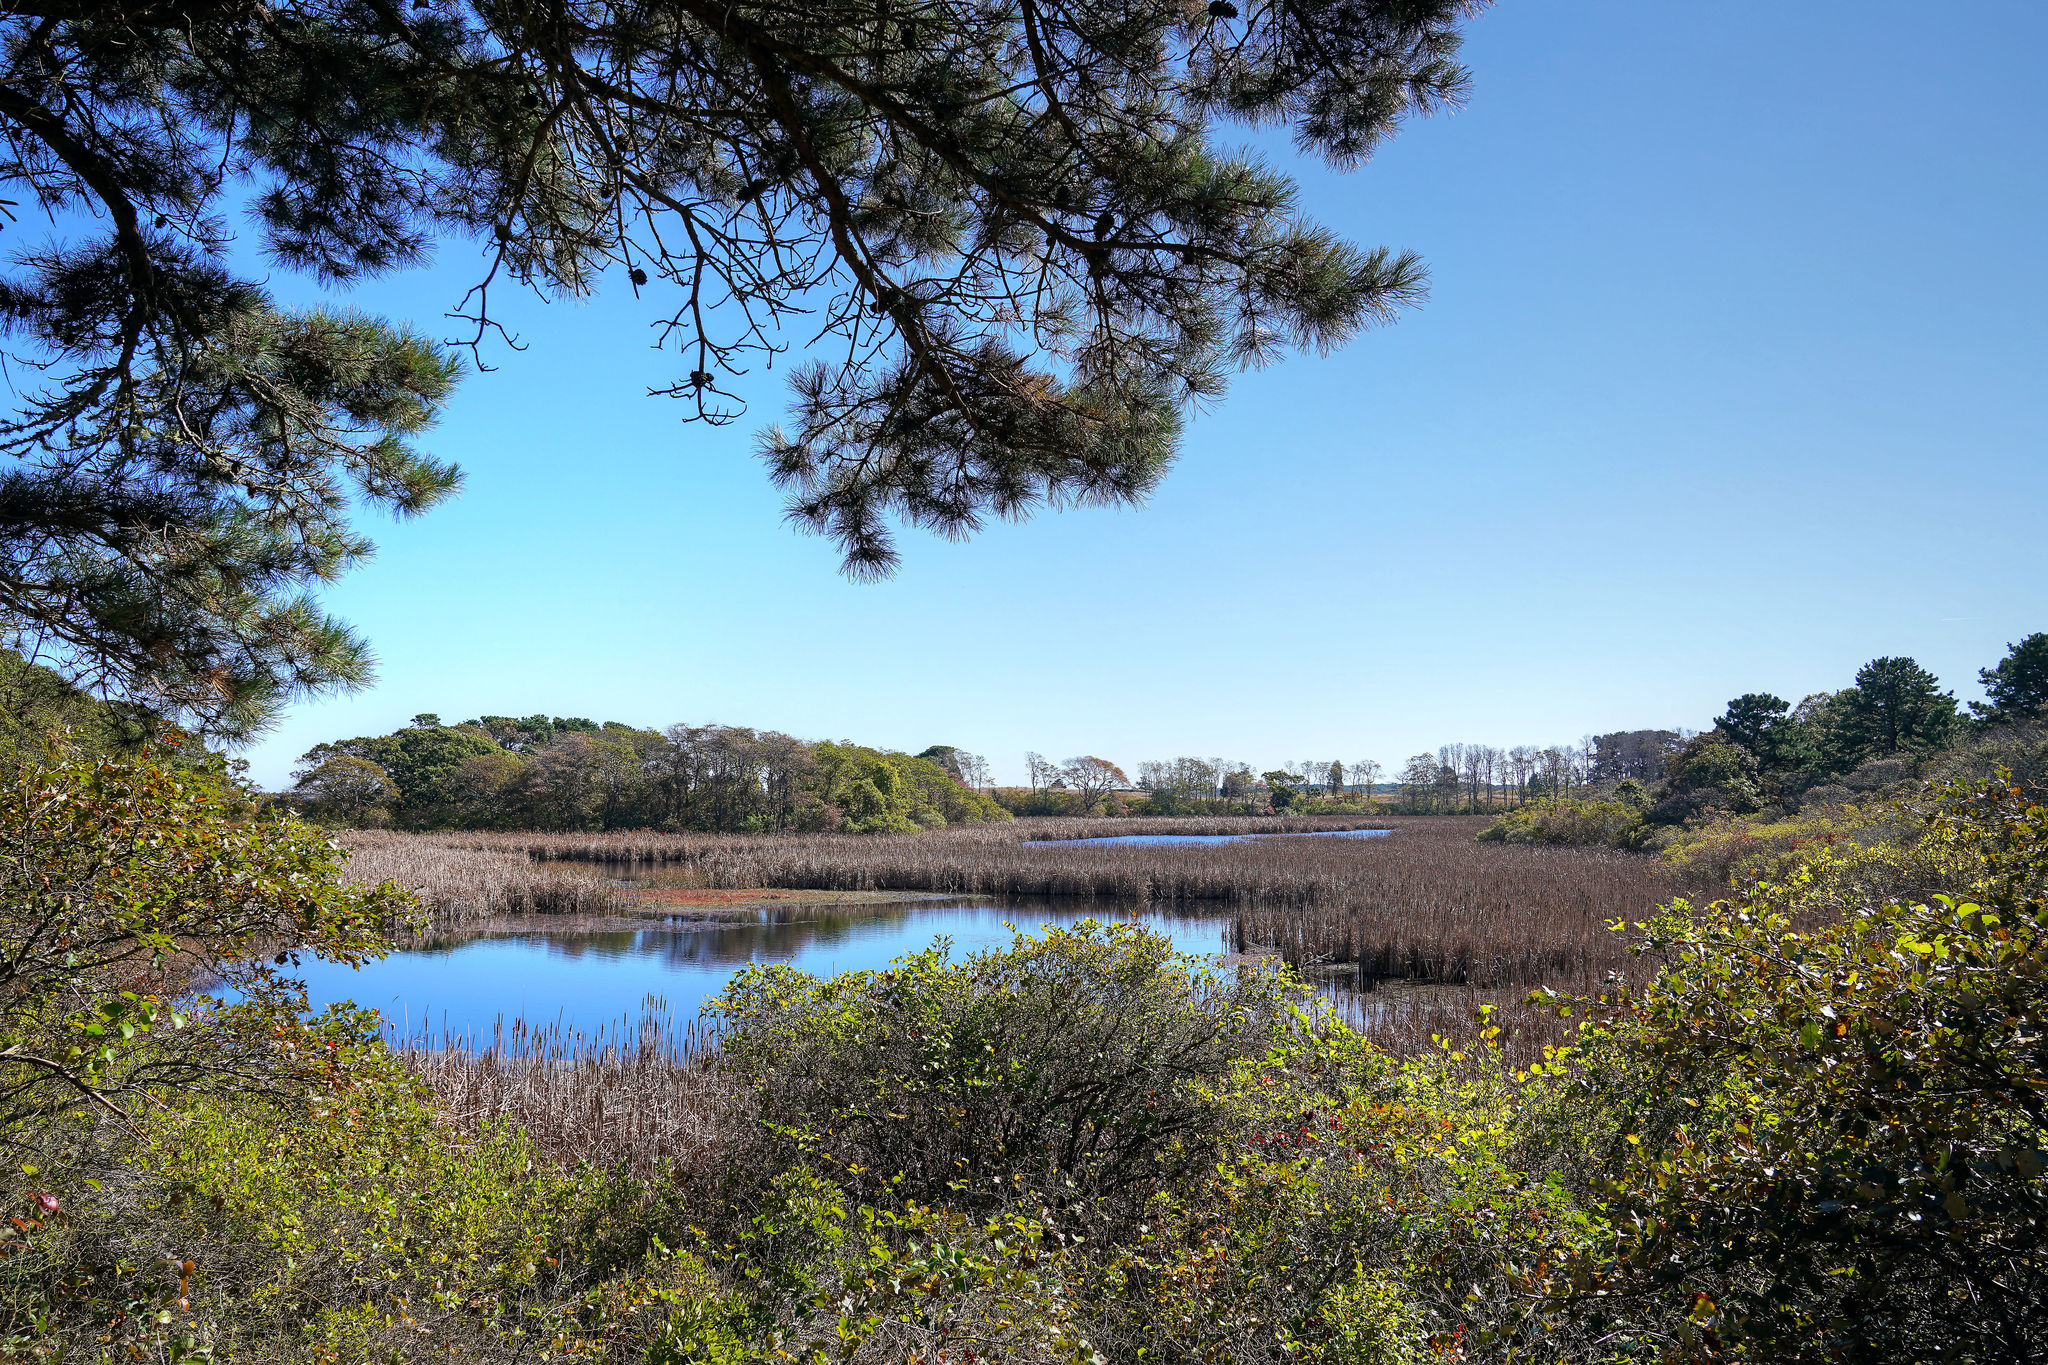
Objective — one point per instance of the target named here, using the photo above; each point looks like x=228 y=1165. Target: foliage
x=1017 y=224
x=42 y=716
x=1813 y=1132
x=2016 y=688
x=1834 y=1134
x=117 y=878
x=1709 y=776
x=574 y=774
x=1895 y=707
x=878 y=792
x=1565 y=821
x=1073 y=1059
x=347 y=790
x=2019 y=749
x=360 y=1228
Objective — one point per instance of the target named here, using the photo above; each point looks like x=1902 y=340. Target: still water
x=586 y=979
x=1102 y=840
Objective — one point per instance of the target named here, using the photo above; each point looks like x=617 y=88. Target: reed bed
x=649 y=849
x=461 y=886
x=1408 y=1018
x=1427 y=902
x=640 y=1096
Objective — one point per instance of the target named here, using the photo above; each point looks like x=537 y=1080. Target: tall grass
x=1456 y=923
x=1427 y=902
x=461 y=886
x=640 y=1096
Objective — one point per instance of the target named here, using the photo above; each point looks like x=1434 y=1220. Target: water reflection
x=585 y=978
x=1103 y=840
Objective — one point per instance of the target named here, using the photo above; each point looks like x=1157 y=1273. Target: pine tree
x=1895 y=707
x=2018 y=686
x=1011 y=229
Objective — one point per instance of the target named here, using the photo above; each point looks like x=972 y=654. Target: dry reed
x=639 y=1096
x=1428 y=902
x=1482 y=922
x=460 y=886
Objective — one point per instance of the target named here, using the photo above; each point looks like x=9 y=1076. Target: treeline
x=1767 y=757
x=1090 y=785
x=570 y=773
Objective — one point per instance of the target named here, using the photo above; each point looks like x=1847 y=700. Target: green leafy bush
x=1831 y=1142
x=1075 y=1058
x=119 y=879
x=1565 y=820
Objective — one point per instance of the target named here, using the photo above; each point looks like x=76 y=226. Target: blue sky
x=1734 y=375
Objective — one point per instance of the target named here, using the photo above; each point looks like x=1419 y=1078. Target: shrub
x=1074 y=1058
x=119 y=878
x=1833 y=1137
x=1565 y=821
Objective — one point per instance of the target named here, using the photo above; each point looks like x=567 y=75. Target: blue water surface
x=587 y=979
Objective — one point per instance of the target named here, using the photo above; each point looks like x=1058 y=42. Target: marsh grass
x=463 y=886
x=1408 y=937
x=641 y=1096
x=1426 y=903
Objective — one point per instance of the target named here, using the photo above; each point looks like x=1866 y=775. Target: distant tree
x=1365 y=774
x=1444 y=790
x=1895 y=707
x=946 y=756
x=346 y=790
x=562 y=786
x=420 y=759
x=1753 y=721
x=516 y=735
x=2017 y=687
x=1639 y=754
x=1285 y=787
x=483 y=791
x=1091 y=778
x=973 y=769
x=1418 y=782
x=1708 y=774
x=1336 y=777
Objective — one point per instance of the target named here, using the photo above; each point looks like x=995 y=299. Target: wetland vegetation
x=1368 y=1086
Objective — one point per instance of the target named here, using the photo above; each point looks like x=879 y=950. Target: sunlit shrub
x=119 y=879
x=1075 y=1058
x=1833 y=1135
x=1566 y=820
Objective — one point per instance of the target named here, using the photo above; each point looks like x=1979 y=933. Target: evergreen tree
x=1013 y=223
x=1895 y=707
x=2018 y=686
x=1751 y=719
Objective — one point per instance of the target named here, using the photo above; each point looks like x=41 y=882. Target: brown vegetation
x=1425 y=903
x=460 y=886
x=637 y=1097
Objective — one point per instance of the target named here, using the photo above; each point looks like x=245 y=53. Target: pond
x=1104 y=840
x=585 y=978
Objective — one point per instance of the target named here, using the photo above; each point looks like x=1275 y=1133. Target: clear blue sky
x=1731 y=379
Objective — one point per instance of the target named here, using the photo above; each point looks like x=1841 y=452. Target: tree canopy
x=2018 y=684
x=1007 y=240
x=1895 y=707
